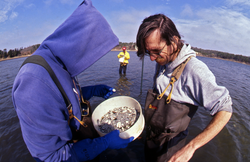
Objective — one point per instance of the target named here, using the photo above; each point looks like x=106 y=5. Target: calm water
x=231 y=145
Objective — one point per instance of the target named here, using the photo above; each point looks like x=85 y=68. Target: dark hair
x=167 y=30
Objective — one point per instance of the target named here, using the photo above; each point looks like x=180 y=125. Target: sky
x=222 y=25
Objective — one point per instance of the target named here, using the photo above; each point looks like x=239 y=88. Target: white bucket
x=115 y=102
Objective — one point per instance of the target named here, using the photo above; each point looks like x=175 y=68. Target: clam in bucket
x=120 y=101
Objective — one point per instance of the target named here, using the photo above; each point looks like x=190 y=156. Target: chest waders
x=166 y=121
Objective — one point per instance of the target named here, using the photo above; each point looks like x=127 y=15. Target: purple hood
x=80 y=41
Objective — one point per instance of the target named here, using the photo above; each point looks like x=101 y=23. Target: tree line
x=18 y=52
x=130 y=46
x=223 y=55
x=10 y=53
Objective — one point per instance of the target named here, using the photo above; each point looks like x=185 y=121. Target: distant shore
x=9 y=58
x=121 y=50
x=224 y=59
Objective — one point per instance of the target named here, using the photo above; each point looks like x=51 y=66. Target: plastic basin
x=120 y=101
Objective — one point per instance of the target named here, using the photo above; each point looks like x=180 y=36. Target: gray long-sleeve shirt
x=197 y=84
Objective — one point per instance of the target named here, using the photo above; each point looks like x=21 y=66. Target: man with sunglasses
x=196 y=87
x=47 y=124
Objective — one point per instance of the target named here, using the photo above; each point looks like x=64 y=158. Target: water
x=230 y=145
x=12 y=147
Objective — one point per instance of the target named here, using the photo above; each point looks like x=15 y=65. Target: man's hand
x=214 y=127
x=183 y=155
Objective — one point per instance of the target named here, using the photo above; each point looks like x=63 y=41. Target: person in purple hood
x=73 y=47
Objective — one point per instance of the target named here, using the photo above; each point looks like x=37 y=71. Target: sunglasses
x=154 y=54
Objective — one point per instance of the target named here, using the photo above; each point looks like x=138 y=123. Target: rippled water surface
x=231 y=145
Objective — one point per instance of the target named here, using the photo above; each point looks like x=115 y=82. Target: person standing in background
x=123 y=59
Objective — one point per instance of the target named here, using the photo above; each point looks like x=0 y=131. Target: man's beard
x=160 y=60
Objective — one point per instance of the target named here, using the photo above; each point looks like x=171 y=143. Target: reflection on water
x=123 y=85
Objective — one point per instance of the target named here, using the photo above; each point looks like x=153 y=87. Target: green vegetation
x=223 y=55
x=131 y=46
x=18 y=52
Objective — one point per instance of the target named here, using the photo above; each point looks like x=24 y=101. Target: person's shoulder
x=34 y=70
x=198 y=69
x=195 y=64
